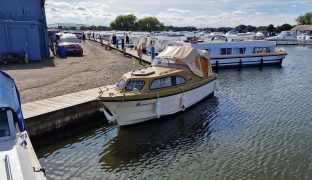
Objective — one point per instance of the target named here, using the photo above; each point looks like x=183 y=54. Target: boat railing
x=8 y=167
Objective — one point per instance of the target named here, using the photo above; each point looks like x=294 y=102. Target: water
x=258 y=126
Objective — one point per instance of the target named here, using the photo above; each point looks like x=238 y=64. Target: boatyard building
x=23 y=29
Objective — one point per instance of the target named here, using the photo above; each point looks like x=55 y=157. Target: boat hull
x=248 y=61
x=137 y=111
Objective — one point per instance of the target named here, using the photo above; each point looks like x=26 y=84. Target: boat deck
x=46 y=106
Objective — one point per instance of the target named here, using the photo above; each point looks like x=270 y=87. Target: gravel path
x=98 y=67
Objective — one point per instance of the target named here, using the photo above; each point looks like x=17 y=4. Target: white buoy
x=217 y=85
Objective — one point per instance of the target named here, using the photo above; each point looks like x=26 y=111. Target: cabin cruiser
x=18 y=158
x=242 y=53
x=305 y=39
x=285 y=38
x=178 y=78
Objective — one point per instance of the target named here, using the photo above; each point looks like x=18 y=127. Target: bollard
x=101 y=40
x=240 y=63
x=153 y=53
x=140 y=54
x=261 y=61
x=117 y=44
x=122 y=43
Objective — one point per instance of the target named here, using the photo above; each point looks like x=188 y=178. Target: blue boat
x=16 y=151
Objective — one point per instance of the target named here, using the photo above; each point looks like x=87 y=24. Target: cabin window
x=180 y=80
x=259 y=50
x=121 y=84
x=167 y=82
x=4 y=125
x=225 y=51
x=239 y=50
x=161 y=83
x=135 y=85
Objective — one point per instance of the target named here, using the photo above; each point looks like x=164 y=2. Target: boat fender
x=158 y=107
x=183 y=102
x=24 y=137
x=109 y=117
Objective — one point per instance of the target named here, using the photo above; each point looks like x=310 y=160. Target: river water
x=258 y=126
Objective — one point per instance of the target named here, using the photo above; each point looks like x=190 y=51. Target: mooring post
x=261 y=61
x=101 y=40
x=240 y=63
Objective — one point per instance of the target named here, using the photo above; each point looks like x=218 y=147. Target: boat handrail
x=8 y=167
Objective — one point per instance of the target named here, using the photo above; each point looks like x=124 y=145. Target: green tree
x=305 y=19
x=241 y=27
x=271 y=28
x=124 y=22
x=262 y=28
x=250 y=28
x=284 y=27
x=150 y=24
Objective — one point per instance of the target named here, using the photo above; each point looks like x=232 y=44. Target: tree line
x=131 y=23
x=249 y=28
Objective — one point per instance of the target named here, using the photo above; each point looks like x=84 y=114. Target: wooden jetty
x=47 y=115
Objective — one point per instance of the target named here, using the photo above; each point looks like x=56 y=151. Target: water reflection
x=135 y=144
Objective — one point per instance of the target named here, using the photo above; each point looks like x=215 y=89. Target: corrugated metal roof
x=302 y=28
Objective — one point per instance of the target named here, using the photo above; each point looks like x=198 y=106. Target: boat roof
x=182 y=53
x=187 y=55
x=235 y=44
x=10 y=98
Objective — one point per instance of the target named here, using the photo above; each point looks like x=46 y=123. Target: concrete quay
x=45 y=116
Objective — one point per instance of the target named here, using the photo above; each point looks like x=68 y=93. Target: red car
x=72 y=44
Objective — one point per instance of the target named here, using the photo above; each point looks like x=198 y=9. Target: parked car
x=72 y=44
x=78 y=34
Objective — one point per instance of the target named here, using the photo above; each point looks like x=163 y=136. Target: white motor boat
x=304 y=39
x=18 y=158
x=285 y=38
x=179 y=78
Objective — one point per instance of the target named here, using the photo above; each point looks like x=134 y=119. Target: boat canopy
x=197 y=61
x=10 y=99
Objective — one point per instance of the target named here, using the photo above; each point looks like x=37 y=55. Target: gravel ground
x=50 y=78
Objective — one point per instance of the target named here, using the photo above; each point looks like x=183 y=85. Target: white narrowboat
x=243 y=53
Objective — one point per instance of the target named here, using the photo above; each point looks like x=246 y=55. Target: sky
x=198 y=13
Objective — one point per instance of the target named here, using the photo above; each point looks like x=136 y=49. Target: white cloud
x=178 y=10
x=208 y=13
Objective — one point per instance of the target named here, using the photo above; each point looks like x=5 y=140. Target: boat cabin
x=175 y=66
x=237 y=48
x=10 y=109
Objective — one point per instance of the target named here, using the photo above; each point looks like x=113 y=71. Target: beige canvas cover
x=191 y=57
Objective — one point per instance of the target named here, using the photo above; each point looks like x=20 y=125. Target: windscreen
x=69 y=39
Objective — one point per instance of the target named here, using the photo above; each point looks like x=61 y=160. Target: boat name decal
x=144 y=103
